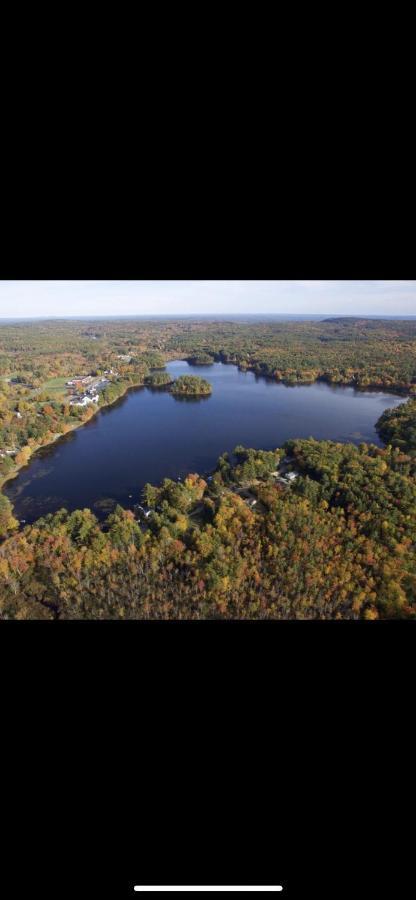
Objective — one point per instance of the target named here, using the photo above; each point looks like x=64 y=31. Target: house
x=79 y=381
x=287 y=479
x=80 y=401
x=98 y=385
x=145 y=512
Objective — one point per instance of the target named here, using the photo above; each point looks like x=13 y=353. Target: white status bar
x=227 y=887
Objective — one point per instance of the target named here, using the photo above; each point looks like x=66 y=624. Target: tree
x=23 y=456
x=7 y=521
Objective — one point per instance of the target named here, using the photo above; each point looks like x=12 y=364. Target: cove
x=149 y=435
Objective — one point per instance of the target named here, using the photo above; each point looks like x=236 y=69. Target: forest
x=398 y=426
x=359 y=352
x=338 y=542
x=158 y=379
x=201 y=359
x=191 y=385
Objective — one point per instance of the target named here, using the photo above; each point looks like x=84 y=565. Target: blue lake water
x=149 y=435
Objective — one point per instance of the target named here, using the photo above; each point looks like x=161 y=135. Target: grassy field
x=55 y=387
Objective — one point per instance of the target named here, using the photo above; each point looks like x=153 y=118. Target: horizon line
x=200 y=315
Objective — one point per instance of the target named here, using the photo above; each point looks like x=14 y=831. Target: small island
x=158 y=379
x=200 y=359
x=191 y=386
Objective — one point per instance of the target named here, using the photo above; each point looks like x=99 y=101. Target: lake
x=150 y=434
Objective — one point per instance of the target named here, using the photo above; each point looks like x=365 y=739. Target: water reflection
x=189 y=398
x=159 y=388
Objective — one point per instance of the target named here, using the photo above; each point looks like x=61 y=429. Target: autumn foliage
x=340 y=543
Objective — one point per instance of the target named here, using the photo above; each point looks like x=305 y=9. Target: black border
x=146 y=750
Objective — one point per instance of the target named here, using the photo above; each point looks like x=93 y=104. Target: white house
x=81 y=401
x=84 y=400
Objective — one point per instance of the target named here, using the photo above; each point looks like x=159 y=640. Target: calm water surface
x=150 y=435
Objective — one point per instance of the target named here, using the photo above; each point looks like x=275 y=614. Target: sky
x=27 y=299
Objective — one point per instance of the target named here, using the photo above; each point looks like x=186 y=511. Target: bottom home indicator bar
x=201 y=887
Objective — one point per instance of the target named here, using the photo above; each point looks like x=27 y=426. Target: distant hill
x=351 y=320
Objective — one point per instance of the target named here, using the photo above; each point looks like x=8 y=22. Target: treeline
x=201 y=359
x=363 y=352
x=158 y=379
x=398 y=426
x=359 y=352
x=339 y=543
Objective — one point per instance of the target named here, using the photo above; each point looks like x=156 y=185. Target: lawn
x=54 y=386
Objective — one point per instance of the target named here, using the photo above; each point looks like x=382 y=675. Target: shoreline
x=394 y=391
x=61 y=435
